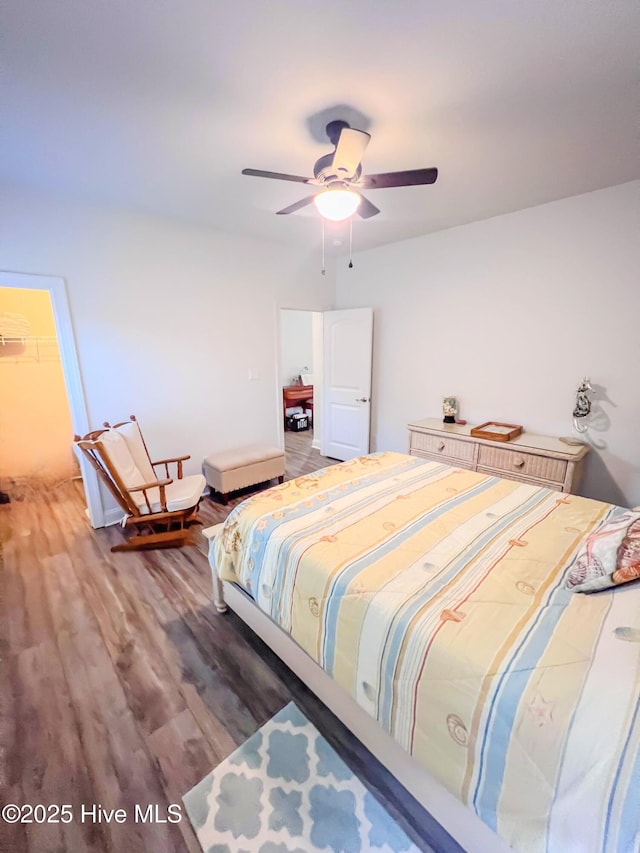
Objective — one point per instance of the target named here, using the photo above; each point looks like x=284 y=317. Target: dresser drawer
x=441 y=445
x=514 y=461
x=511 y=475
x=446 y=460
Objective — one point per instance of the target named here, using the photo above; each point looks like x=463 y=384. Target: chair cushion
x=121 y=459
x=130 y=431
x=181 y=494
x=238 y=457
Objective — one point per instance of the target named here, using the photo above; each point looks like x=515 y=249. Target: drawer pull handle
x=441 y=445
x=519 y=463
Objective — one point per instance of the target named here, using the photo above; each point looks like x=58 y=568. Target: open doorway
x=300 y=403
x=43 y=399
x=325 y=377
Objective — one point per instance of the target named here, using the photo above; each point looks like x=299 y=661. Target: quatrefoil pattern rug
x=285 y=790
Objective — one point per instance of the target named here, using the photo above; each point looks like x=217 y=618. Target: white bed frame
x=459 y=821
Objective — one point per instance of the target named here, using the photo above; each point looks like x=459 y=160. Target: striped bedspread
x=435 y=596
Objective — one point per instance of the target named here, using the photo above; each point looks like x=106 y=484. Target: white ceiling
x=157 y=105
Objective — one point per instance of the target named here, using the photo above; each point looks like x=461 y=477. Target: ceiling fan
x=339 y=176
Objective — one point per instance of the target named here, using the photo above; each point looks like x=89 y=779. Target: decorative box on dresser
x=537 y=459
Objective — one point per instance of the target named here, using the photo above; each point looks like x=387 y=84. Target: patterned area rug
x=285 y=790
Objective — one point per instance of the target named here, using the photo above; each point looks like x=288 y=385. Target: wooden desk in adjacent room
x=297 y=395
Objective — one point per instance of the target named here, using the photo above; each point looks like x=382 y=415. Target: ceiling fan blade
x=258 y=173
x=409 y=178
x=349 y=151
x=365 y=209
x=298 y=204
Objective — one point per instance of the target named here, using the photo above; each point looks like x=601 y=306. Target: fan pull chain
x=350 y=243
x=323 y=270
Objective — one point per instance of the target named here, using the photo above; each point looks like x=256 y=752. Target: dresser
x=537 y=459
x=297 y=395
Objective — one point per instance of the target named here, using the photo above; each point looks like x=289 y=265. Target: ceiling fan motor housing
x=326 y=172
x=334 y=129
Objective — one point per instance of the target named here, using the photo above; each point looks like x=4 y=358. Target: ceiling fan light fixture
x=337 y=204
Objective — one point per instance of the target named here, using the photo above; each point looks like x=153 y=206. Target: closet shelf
x=17 y=348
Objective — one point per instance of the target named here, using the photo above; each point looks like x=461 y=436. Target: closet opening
x=42 y=397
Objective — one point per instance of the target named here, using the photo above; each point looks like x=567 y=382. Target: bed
x=428 y=607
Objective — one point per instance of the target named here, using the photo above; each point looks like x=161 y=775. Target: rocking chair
x=160 y=510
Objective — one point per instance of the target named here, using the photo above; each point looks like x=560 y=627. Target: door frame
x=57 y=290
x=279 y=308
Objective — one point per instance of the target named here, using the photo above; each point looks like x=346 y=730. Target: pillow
x=610 y=555
x=628 y=562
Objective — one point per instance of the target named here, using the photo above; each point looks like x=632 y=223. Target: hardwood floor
x=121 y=686
x=301 y=457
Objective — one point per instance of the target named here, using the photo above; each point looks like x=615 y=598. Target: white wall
x=508 y=315
x=296 y=348
x=169 y=318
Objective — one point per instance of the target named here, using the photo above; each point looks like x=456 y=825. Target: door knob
x=362 y=399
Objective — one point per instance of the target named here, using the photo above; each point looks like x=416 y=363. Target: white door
x=348 y=343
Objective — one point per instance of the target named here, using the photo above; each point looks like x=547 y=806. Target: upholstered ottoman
x=230 y=470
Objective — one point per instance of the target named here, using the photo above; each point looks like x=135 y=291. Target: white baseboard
x=113 y=515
